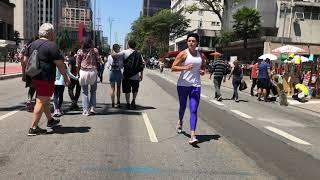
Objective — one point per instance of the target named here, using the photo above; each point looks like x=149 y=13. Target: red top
x=254 y=69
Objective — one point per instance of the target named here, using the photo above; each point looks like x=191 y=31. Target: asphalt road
x=143 y=144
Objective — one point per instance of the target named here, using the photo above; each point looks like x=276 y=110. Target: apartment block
x=150 y=7
x=294 y=22
x=205 y=23
x=6 y=25
x=26 y=19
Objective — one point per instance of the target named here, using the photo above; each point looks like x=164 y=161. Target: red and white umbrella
x=288 y=49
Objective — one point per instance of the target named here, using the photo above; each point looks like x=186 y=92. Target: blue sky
x=124 y=13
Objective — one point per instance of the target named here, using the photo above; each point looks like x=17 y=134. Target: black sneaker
x=118 y=105
x=128 y=106
x=52 y=123
x=133 y=104
x=36 y=131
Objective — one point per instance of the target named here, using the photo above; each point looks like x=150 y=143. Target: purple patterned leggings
x=194 y=99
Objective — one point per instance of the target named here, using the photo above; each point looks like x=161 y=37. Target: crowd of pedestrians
x=82 y=72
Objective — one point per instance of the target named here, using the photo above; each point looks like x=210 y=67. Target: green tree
x=152 y=34
x=225 y=38
x=246 y=24
x=214 y=6
x=63 y=40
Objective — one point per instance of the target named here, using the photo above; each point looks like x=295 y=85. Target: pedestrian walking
x=192 y=64
x=115 y=65
x=27 y=79
x=237 y=75
x=263 y=79
x=59 y=90
x=49 y=57
x=74 y=96
x=219 y=71
x=87 y=61
x=254 y=76
x=132 y=72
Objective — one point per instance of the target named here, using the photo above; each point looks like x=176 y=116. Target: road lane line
x=216 y=102
x=204 y=96
x=9 y=114
x=152 y=134
x=241 y=114
x=286 y=135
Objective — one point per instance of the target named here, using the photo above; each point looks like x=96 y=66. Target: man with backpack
x=40 y=61
x=132 y=72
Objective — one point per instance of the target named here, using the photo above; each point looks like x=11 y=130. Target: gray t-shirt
x=125 y=54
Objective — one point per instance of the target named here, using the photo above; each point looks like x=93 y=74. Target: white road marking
x=281 y=122
x=287 y=136
x=152 y=134
x=295 y=102
x=9 y=114
x=241 y=114
x=204 y=96
x=216 y=102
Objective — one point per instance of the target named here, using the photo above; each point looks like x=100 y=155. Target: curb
x=10 y=76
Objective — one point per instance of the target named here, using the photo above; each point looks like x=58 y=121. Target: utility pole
x=283 y=6
x=94 y=23
x=110 y=24
x=290 y=23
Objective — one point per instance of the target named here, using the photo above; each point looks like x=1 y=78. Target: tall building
x=26 y=19
x=74 y=13
x=295 y=22
x=205 y=23
x=6 y=24
x=150 y=7
x=48 y=12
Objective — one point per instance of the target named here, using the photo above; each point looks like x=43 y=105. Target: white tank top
x=191 y=77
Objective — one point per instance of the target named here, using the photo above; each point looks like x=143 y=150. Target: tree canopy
x=152 y=34
x=63 y=40
x=214 y=6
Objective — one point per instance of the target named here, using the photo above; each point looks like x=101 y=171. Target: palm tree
x=246 y=24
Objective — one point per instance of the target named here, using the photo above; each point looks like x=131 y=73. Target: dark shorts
x=115 y=76
x=43 y=88
x=263 y=83
x=129 y=86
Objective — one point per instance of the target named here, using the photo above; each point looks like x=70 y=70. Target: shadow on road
x=203 y=138
x=12 y=108
x=229 y=99
x=108 y=110
x=68 y=130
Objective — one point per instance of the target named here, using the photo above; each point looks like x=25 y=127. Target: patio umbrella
x=216 y=54
x=297 y=59
x=272 y=57
x=288 y=49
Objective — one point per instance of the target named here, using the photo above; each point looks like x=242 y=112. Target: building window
x=200 y=23
x=213 y=23
x=218 y=23
x=200 y=13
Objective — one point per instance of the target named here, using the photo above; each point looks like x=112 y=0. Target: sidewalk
x=12 y=70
